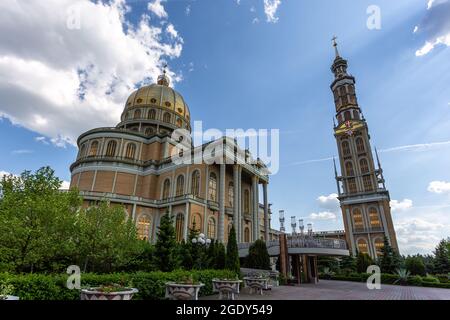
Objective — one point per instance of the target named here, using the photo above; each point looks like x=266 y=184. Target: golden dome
x=159 y=95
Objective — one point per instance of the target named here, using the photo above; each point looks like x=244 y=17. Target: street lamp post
x=202 y=241
x=293 y=225
x=281 y=212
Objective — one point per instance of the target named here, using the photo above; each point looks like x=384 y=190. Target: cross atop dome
x=163 y=79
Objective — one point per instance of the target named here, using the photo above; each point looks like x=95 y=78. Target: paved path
x=342 y=290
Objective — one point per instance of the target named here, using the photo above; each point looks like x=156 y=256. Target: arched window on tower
x=364 y=165
x=367 y=182
x=231 y=194
x=358 y=223
x=212 y=187
x=211 y=228
x=349 y=169
x=360 y=145
x=180 y=186
x=352 y=185
x=347 y=115
x=137 y=114
x=143 y=227
x=362 y=246
x=379 y=244
x=246 y=201
x=130 y=152
x=149 y=131
x=179 y=123
x=345 y=148
x=152 y=114
x=179 y=224
x=94 y=149
x=195 y=183
x=111 y=148
x=374 y=218
x=166 y=117
x=166 y=189
x=82 y=151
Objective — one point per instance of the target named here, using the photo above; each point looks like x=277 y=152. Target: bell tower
x=363 y=196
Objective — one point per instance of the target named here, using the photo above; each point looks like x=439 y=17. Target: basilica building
x=131 y=165
x=363 y=196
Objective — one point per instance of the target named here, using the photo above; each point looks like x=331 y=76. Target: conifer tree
x=442 y=257
x=166 y=251
x=232 y=256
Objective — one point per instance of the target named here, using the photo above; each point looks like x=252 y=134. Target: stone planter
x=180 y=291
x=226 y=287
x=9 y=298
x=96 y=294
x=256 y=285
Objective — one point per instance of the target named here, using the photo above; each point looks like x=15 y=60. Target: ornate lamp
x=301 y=226
x=293 y=225
x=282 y=229
x=310 y=230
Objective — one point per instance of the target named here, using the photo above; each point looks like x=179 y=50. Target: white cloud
x=403 y=205
x=65 y=185
x=3 y=173
x=418 y=236
x=188 y=10
x=171 y=30
x=439 y=187
x=418 y=147
x=270 y=9
x=60 y=81
x=255 y=20
x=42 y=140
x=157 y=8
x=435 y=26
x=325 y=215
x=329 y=202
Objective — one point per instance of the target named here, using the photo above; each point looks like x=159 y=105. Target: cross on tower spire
x=335 y=45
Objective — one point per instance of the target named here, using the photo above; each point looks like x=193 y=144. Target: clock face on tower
x=348 y=127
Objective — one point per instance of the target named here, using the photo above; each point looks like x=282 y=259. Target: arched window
x=179 y=123
x=195 y=183
x=128 y=117
x=374 y=218
x=379 y=244
x=179 y=224
x=231 y=194
x=362 y=246
x=180 y=186
x=166 y=117
x=352 y=185
x=152 y=114
x=149 y=131
x=246 y=201
x=358 y=223
x=111 y=148
x=94 y=149
x=360 y=145
x=82 y=151
x=212 y=187
x=367 y=182
x=211 y=228
x=364 y=165
x=131 y=151
x=143 y=227
x=247 y=234
x=347 y=115
x=349 y=169
x=345 y=148
x=137 y=114
x=166 y=189
x=196 y=222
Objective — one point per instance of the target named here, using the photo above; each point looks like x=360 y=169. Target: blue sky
x=240 y=65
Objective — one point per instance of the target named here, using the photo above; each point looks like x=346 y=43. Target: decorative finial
x=164 y=79
x=335 y=45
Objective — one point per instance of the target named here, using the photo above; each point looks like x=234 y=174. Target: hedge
x=151 y=285
x=391 y=279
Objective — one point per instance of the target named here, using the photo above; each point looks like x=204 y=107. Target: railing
x=307 y=242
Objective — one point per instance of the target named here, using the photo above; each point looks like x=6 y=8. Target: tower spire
x=164 y=79
x=335 y=45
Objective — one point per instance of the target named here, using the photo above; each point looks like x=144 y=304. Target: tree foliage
x=415 y=265
x=232 y=257
x=166 y=249
x=258 y=256
x=390 y=260
x=442 y=257
x=363 y=261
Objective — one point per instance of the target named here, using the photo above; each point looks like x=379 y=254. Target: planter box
x=179 y=291
x=256 y=285
x=95 y=294
x=228 y=287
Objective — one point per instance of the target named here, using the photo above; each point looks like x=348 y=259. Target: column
x=236 y=199
x=241 y=218
x=186 y=222
x=266 y=212
x=222 y=203
x=255 y=222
